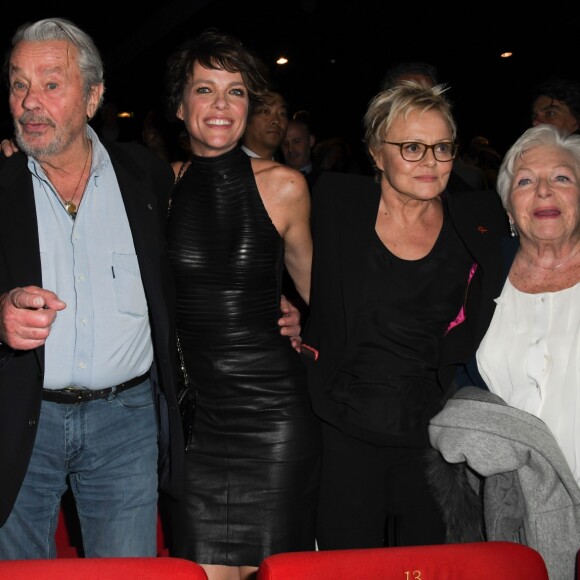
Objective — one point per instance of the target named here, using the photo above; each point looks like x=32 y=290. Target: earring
x=513 y=230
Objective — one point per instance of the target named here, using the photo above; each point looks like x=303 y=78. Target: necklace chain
x=552 y=268
x=70 y=207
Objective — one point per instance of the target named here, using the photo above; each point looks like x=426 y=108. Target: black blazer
x=145 y=182
x=344 y=212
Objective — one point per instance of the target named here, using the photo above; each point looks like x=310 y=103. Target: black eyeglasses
x=412 y=151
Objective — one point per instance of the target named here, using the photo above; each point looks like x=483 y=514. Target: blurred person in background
x=160 y=137
x=297 y=150
x=556 y=101
x=266 y=128
x=481 y=155
x=412 y=70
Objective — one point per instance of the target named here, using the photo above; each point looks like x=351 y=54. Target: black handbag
x=186 y=399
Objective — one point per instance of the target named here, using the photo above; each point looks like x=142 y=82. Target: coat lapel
x=141 y=199
x=140 y=202
x=19 y=231
x=356 y=229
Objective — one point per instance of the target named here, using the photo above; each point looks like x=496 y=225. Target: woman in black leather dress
x=252 y=464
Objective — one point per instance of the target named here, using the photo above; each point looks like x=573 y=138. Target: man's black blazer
x=145 y=182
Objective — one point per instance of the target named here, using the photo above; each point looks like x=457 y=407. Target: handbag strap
x=178 y=177
x=180 y=173
x=182 y=362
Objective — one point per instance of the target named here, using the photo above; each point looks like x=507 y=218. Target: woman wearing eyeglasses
x=393 y=261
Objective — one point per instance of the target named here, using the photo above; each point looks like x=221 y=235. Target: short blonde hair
x=401 y=99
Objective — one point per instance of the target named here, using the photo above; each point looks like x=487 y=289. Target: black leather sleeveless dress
x=253 y=466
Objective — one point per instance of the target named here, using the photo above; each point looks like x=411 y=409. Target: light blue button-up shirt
x=102 y=338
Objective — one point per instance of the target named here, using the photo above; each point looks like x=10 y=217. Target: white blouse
x=530 y=357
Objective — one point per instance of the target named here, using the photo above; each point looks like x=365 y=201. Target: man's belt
x=75 y=395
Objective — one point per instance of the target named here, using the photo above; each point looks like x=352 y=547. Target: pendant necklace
x=70 y=207
x=529 y=261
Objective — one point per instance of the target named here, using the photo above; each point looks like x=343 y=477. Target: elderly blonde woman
x=393 y=259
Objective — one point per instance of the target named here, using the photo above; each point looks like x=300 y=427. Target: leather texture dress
x=252 y=467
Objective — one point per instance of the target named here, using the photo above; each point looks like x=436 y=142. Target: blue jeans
x=106 y=450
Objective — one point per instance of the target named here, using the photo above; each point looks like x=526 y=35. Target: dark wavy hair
x=215 y=50
x=414 y=67
x=560 y=89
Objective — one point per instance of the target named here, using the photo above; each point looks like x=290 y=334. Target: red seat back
x=102 y=569
x=471 y=561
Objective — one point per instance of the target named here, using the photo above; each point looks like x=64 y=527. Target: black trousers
x=374 y=496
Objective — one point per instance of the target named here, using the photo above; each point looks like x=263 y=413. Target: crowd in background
x=555 y=100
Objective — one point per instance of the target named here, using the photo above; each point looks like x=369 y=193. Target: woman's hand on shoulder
x=9 y=147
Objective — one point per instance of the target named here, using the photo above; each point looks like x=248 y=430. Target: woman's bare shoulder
x=273 y=174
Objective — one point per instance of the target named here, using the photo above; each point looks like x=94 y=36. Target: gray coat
x=500 y=475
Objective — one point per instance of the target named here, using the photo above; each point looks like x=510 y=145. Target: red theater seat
x=102 y=569
x=472 y=561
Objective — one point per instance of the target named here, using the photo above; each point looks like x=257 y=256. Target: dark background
x=338 y=52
